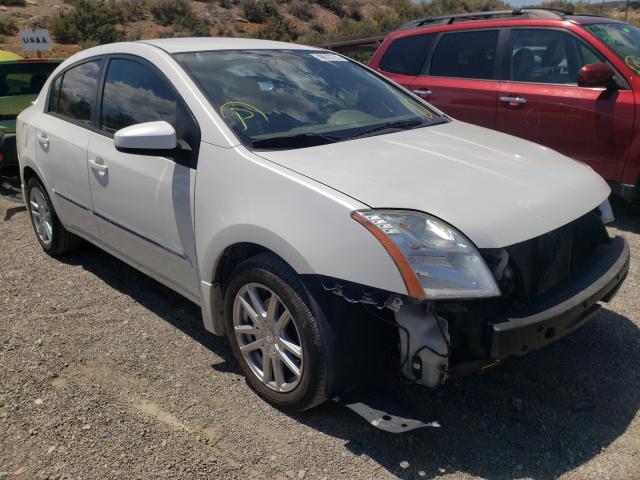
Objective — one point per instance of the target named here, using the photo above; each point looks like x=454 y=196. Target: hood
x=496 y=189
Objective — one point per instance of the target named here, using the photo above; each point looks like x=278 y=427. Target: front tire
x=274 y=335
x=51 y=234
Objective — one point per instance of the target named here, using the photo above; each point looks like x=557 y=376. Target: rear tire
x=270 y=346
x=51 y=234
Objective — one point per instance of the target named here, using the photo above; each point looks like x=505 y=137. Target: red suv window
x=466 y=55
x=405 y=55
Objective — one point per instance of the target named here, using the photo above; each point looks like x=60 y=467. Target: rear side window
x=405 y=55
x=466 y=55
x=54 y=99
x=79 y=90
x=133 y=93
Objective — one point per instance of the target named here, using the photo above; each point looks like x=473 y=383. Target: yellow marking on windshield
x=243 y=111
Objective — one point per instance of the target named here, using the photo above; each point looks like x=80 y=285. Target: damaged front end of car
x=468 y=309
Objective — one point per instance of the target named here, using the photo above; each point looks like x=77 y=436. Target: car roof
x=202 y=44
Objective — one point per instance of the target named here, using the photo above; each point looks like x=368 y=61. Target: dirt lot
x=104 y=373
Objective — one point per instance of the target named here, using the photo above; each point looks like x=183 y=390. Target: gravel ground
x=107 y=374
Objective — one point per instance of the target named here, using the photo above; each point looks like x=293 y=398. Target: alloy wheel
x=268 y=337
x=41 y=215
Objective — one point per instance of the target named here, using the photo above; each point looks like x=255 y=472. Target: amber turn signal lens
x=414 y=288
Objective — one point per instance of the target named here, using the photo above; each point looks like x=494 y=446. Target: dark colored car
x=569 y=82
x=20 y=82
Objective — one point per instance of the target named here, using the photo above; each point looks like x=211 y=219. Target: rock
x=301 y=473
x=38 y=401
x=51 y=449
x=86 y=427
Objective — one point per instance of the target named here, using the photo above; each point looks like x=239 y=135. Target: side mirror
x=596 y=75
x=150 y=138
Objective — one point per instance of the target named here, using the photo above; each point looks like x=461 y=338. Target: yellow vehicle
x=20 y=82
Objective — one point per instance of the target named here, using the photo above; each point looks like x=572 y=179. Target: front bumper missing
x=564 y=308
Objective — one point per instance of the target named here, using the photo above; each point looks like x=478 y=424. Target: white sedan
x=321 y=216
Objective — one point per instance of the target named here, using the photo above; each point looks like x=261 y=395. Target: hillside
x=77 y=24
x=80 y=23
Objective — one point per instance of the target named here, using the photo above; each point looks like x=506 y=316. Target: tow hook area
x=383 y=411
x=424 y=344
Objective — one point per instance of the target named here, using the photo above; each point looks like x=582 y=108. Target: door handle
x=423 y=93
x=514 y=100
x=98 y=165
x=43 y=140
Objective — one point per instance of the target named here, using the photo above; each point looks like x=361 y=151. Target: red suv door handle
x=514 y=101
x=423 y=93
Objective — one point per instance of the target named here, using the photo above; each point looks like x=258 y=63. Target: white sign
x=35 y=40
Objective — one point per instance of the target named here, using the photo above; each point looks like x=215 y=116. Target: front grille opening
x=539 y=264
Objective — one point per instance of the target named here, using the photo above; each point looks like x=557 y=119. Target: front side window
x=79 y=90
x=405 y=55
x=622 y=38
x=548 y=56
x=280 y=99
x=466 y=55
x=133 y=94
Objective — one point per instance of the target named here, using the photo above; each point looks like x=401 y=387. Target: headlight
x=435 y=260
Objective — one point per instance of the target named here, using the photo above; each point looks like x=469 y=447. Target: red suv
x=570 y=82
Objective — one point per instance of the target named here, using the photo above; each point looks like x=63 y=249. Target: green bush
x=318 y=27
x=128 y=10
x=13 y=3
x=258 y=11
x=387 y=21
x=350 y=28
x=334 y=5
x=89 y=22
x=278 y=28
x=8 y=25
x=180 y=16
x=166 y=12
x=190 y=25
x=301 y=9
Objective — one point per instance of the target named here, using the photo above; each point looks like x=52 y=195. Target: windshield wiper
x=396 y=125
x=299 y=140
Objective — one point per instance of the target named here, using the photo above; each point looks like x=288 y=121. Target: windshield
x=282 y=99
x=622 y=38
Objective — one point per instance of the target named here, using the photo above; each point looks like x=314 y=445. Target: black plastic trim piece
x=564 y=309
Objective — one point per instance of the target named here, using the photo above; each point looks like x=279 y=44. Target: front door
x=542 y=102
x=144 y=203
x=460 y=78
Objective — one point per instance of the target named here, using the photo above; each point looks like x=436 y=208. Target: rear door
x=542 y=102
x=460 y=76
x=62 y=136
x=144 y=203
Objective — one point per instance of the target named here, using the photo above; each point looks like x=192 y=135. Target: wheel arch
x=226 y=251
